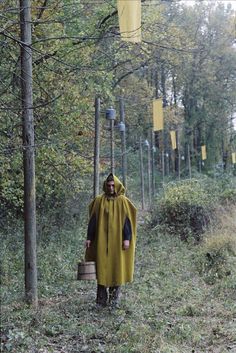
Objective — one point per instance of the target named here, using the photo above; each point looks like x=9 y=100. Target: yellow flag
x=234 y=157
x=173 y=139
x=129 y=13
x=204 y=155
x=158 y=121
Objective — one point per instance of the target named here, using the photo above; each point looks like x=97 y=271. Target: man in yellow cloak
x=111 y=239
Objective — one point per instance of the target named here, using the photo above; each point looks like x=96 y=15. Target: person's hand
x=126 y=244
x=87 y=244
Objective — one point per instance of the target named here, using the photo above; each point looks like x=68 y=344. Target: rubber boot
x=114 y=296
x=101 y=295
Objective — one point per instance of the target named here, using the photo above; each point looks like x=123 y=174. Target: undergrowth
x=170 y=306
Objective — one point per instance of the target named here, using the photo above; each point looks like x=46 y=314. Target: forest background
x=186 y=57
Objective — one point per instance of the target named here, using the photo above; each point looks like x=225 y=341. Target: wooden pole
x=153 y=162
x=141 y=172
x=189 y=163
x=97 y=147
x=163 y=156
x=178 y=153
x=149 y=175
x=28 y=154
x=123 y=144
x=112 y=146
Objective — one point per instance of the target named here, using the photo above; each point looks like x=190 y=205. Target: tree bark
x=28 y=154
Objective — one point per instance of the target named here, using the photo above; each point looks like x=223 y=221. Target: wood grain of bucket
x=86 y=270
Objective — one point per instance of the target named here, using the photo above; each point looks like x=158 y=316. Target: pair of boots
x=102 y=295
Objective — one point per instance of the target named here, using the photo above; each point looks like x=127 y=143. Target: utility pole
x=141 y=172
x=96 y=147
x=123 y=143
x=28 y=154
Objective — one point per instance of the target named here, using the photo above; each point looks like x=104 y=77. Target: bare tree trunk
x=28 y=154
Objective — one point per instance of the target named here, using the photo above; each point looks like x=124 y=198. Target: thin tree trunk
x=28 y=155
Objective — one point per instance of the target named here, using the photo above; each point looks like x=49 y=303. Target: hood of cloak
x=119 y=187
x=114 y=265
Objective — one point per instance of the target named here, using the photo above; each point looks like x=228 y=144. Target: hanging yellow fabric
x=173 y=139
x=234 y=157
x=129 y=13
x=204 y=155
x=158 y=121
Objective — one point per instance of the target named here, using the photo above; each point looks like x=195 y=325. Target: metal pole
x=112 y=146
x=123 y=144
x=141 y=172
x=28 y=154
x=96 y=147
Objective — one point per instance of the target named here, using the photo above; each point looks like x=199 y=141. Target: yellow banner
x=129 y=13
x=173 y=139
x=158 y=121
x=204 y=155
x=234 y=157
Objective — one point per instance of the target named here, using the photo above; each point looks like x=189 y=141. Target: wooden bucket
x=86 y=270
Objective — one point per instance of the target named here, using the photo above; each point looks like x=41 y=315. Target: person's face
x=111 y=187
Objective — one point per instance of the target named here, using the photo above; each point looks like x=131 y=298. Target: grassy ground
x=168 y=308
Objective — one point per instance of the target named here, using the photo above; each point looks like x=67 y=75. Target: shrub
x=213 y=257
x=185 y=209
x=228 y=196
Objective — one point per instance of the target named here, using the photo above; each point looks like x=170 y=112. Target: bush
x=185 y=209
x=213 y=258
x=228 y=196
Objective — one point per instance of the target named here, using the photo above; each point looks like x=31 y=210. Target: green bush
x=213 y=257
x=228 y=196
x=185 y=209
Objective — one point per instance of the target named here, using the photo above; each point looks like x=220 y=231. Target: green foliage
x=165 y=309
x=185 y=209
x=228 y=196
x=77 y=54
x=213 y=258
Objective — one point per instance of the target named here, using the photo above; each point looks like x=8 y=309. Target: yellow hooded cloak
x=114 y=265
